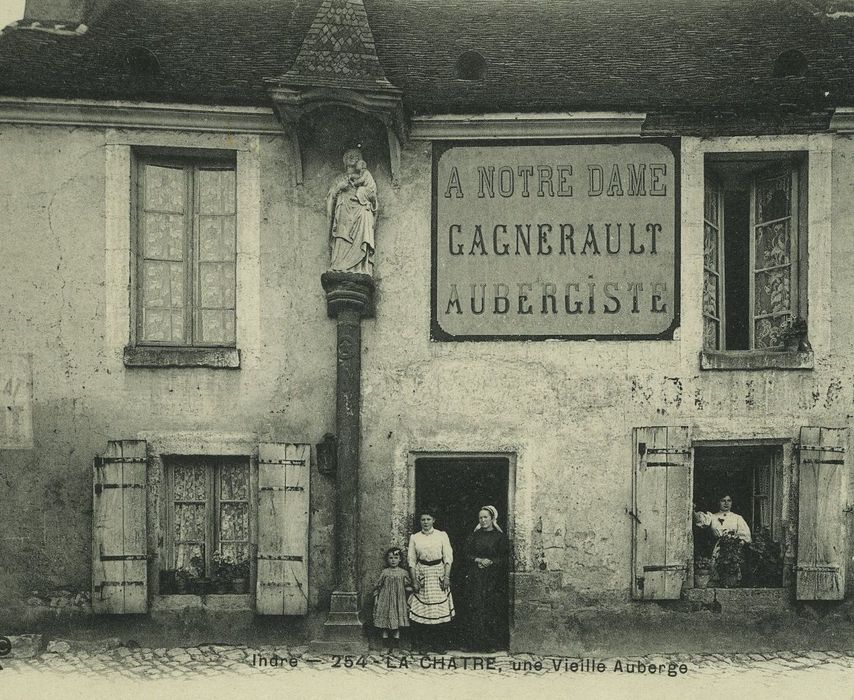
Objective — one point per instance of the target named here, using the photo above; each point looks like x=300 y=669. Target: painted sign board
x=16 y=391
x=543 y=240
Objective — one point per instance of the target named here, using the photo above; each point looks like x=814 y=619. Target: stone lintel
x=348 y=290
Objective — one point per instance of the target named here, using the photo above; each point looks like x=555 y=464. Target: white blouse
x=724 y=523
x=430 y=547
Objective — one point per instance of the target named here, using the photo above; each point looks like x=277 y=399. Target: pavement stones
x=24 y=646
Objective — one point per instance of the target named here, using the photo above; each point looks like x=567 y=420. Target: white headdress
x=493 y=511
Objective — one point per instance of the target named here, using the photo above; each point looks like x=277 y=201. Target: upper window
x=754 y=245
x=185 y=250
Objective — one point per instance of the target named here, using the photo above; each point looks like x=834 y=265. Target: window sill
x=756 y=359
x=217 y=602
x=163 y=356
x=740 y=601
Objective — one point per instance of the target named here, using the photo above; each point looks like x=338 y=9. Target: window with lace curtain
x=185 y=224
x=208 y=515
x=754 y=250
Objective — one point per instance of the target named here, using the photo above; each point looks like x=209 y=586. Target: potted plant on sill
x=729 y=561
x=183 y=581
x=234 y=574
x=795 y=336
x=200 y=583
x=240 y=580
x=764 y=565
x=221 y=582
x=702 y=571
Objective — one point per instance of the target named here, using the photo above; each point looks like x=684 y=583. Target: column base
x=343 y=632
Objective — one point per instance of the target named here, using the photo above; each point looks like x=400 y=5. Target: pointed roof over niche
x=337 y=64
x=338 y=50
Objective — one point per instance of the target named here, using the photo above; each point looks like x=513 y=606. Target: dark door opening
x=455 y=489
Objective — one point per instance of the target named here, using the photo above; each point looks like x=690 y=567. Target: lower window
x=737 y=518
x=208 y=525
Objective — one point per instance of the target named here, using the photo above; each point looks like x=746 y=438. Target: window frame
x=783 y=509
x=190 y=161
x=799 y=161
x=213 y=501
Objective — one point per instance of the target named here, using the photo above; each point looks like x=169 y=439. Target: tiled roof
x=338 y=48
x=540 y=55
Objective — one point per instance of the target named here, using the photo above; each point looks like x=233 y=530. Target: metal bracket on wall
x=327 y=454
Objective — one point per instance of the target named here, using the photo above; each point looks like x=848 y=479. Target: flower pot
x=730 y=579
x=168 y=581
x=240 y=585
x=701 y=578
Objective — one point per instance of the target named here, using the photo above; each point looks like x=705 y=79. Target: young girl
x=390 y=609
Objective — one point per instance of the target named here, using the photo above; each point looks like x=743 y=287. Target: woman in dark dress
x=486 y=583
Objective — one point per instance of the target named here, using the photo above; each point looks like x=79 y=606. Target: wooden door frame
x=509 y=517
x=509 y=524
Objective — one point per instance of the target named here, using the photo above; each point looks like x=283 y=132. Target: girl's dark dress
x=486 y=590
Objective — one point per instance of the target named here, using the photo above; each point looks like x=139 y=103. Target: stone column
x=349 y=299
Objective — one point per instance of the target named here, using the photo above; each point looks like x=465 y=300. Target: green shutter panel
x=119 y=561
x=820 y=571
x=283 y=498
x=662 y=511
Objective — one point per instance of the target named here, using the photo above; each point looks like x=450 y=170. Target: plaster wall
x=66 y=297
x=566 y=409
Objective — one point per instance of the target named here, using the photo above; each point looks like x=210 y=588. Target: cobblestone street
x=81 y=667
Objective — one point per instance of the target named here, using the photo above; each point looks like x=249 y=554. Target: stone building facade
x=206 y=373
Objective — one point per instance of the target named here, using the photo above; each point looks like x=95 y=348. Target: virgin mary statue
x=351 y=206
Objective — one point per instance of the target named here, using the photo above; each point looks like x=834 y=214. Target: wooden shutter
x=662 y=511
x=820 y=571
x=283 y=498
x=773 y=256
x=119 y=561
x=713 y=300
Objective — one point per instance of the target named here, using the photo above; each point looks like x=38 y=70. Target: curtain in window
x=190 y=501
x=774 y=247
x=712 y=266
x=187 y=254
x=163 y=254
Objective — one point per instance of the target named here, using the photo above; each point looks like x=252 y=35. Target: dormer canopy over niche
x=337 y=65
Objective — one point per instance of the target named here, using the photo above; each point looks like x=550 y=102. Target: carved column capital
x=348 y=291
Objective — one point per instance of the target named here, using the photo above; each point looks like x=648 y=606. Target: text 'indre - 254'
x=555 y=240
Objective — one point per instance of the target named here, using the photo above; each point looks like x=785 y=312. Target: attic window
x=790 y=64
x=142 y=62
x=471 y=66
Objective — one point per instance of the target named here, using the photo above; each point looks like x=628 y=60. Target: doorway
x=454 y=488
x=750 y=475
